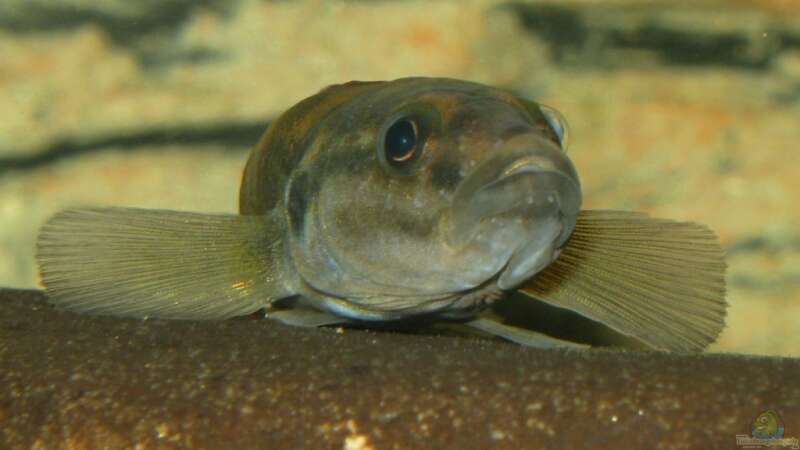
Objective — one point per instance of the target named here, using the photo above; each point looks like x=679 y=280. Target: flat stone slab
x=82 y=382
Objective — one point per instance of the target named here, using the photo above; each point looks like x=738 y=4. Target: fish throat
x=458 y=306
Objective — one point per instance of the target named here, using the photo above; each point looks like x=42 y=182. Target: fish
x=768 y=425
x=379 y=202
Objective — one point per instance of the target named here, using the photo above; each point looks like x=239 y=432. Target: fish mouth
x=519 y=207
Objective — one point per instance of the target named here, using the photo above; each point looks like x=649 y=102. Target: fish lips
x=523 y=202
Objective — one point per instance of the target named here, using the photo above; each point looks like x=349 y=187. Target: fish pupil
x=401 y=140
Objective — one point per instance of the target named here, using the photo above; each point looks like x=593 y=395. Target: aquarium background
x=686 y=110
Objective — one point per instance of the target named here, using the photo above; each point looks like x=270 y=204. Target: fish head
x=418 y=192
x=767 y=425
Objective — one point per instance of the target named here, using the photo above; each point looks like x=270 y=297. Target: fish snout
x=524 y=200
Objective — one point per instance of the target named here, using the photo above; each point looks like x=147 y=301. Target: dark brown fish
x=381 y=201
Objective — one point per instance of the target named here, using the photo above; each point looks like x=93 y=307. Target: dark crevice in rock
x=788 y=96
x=563 y=28
x=590 y=36
x=776 y=283
x=682 y=48
x=753 y=244
x=776 y=246
x=236 y=135
x=162 y=59
x=133 y=30
x=579 y=35
x=123 y=29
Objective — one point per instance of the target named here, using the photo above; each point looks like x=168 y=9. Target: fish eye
x=400 y=142
x=558 y=124
x=404 y=137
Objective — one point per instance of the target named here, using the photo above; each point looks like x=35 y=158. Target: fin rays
x=660 y=281
x=657 y=280
x=157 y=263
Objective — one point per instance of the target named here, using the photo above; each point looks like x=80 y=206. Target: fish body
x=382 y=201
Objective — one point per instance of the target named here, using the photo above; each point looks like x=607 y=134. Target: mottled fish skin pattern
x=369 y=242
x=379 y=201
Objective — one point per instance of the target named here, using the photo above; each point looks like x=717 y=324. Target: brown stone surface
x=80 y=382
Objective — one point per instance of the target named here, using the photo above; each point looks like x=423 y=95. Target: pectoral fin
x=159 y=263
x=521 y=336
x=303 y=317
x=660 y=281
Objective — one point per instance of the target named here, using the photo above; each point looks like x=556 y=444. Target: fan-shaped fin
x=159 y=263
x=660 y=281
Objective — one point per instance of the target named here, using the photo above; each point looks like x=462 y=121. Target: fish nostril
x=527 y=179
x=530 y=189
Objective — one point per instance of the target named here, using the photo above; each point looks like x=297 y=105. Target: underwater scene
x=682 y=110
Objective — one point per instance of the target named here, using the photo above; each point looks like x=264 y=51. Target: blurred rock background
x=687 y=110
